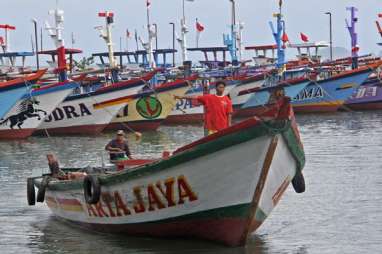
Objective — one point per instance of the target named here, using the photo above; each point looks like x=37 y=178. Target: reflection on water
x=339 y=213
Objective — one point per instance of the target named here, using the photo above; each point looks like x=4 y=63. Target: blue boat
x=261 y=96
x=13 y=90
x=330 y=94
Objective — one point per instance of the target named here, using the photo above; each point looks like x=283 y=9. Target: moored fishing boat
x=366 y=97
x=78 y=113
x=188 y=112
x=329 y=94
x=147 y=110
x=220 y=188
x=257 y=97
x=11 y=91
x=26 y=115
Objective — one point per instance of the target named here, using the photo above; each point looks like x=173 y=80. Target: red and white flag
x=128 y=34
x=199 y=26
x=304 y=37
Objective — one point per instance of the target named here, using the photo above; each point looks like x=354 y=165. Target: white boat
x=220 y=188
x=28 y=113
x=79 y=115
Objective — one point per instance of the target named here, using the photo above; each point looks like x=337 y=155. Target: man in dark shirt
x=118 y=147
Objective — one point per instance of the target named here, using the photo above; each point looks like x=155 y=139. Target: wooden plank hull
x=24 y=118
x=220 y=188
x=79 y=115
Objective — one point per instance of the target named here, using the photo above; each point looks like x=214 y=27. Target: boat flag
x=355 y=49
x=8 y=27
x=285 y=38
x=148 y=3
x=128 y=34
x=199 y=26
x=304 y=37
x=199 y=29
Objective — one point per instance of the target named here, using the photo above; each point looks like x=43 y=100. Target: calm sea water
x=341 y=211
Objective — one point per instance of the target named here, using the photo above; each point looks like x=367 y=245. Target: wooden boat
x=220 y=188
x=257 y=97
x=28 y=113
x=147 y=110
x=330 y=94
x=367 y=97
x=188 y=112
x=78 y=115
x=11 y=91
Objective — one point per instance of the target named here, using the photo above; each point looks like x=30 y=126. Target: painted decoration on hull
x=26 y=109
x=68 y=112
x=310 y=93
x=149 y=107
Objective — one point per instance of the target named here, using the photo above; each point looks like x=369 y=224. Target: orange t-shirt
x=217 y=109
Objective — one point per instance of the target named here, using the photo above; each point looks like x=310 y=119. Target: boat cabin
x=53 y=54
x=215 y=62
x=139 y=58
x=9 y=63
x=309 y=51
x=261 y=56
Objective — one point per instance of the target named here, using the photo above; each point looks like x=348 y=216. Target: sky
x=305 y=16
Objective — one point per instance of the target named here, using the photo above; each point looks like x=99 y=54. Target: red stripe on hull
x=16 y=133
x=185 y=119
x=365 y=106
x=249 y=112
x=228 y=231
x=137 y=126
x=315 y=108
x=92 y=130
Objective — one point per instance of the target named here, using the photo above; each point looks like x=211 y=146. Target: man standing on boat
x=118 y=147
x=217 y=108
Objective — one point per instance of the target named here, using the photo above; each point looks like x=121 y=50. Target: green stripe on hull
x=263 y=129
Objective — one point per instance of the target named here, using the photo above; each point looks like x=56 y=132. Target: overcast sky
x=301 y=16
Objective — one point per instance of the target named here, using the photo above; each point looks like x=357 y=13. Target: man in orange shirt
x=218 y=108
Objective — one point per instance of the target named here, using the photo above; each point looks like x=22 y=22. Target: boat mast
x=151 y=36
x=107 y=36
x=55 y=34
x=278 y=35
x=353 y=36
x=231 y=40
x=379 y=27
x=184 y=31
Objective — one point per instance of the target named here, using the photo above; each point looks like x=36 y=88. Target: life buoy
x=42 y=189
x=92 y=189
x=298 y=182
x=31 y=193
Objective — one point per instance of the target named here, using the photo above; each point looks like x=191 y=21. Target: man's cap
x=121 y=132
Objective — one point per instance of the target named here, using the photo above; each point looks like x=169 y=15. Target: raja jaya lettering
x=68 y=112
x=311 y=92
x=155 y=196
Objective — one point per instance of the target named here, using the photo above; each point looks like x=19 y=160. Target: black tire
x=92 y=189
x=298 y=182
x=42 y=189
x=31 y=193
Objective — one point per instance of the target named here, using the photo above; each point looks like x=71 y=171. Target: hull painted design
x=145 y=112
x=237 y=99
x=205 y=187
x=329 y=95
x=12 y=91
x=366 y=97
x=185 y=111
x=23 y=119
x=78 y=114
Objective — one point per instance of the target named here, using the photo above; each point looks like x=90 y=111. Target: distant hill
x=338 y=52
